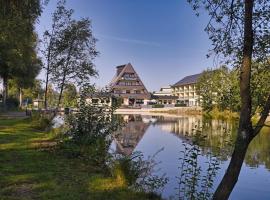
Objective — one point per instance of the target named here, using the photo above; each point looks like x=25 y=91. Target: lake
x=174 y=134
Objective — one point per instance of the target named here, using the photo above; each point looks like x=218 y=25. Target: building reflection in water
x=131 y=134
x=219 y=139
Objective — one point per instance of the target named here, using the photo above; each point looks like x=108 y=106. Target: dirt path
x=13 y=114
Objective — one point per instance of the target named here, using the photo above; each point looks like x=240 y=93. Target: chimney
x=119 y=69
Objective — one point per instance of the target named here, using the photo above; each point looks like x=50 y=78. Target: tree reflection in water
x=219 y=136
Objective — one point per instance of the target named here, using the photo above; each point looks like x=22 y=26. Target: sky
x=163 y=39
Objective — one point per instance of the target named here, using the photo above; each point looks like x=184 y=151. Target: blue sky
x=163 y=40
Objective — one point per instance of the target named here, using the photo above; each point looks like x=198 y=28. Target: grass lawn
x=30 y=168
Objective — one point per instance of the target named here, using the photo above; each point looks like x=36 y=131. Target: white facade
x=187 y=94
x=164 y=91
x=185 y=90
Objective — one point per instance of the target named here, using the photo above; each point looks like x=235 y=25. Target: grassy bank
x=225 y=115
x=32 y=168
x=180 y=111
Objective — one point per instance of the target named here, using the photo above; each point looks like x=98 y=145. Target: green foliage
x=69 y=95
x=41 y=121
x=260 y=76
x=192 y=182
x=52 y=95
x=18 y=57
x=138 y=172
x=91 y=129
x=220 y=89
x=214 y=87
x=69 y=49
x=35 y=91
x=51 y=43
x=226 y=28
x=180 y=105
x=158 y=106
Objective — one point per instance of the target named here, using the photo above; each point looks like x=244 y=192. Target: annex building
x=185 y=90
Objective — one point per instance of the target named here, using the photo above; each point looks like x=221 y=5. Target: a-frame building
x=128 y=85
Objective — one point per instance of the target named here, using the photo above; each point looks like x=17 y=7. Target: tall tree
x=17 y=19
x=240 y=31
x=75 y=62
x=60 y=20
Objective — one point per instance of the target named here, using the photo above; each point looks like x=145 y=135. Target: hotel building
x=128 y=85
x=185 y=90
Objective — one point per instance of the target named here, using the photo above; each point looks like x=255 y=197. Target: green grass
x=32 y=168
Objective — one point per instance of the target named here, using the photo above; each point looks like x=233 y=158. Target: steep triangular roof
x=128 y=68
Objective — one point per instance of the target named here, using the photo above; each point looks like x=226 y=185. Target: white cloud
x=134 y=41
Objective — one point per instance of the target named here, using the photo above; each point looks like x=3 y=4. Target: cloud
x=127 y=40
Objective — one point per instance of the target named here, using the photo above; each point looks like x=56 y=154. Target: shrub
x=158 y=106
x=41 y=121
x=12 y=103
x=137 y=172
x=91 y=129
x=180 y=105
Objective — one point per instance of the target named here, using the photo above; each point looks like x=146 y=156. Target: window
x=95 y=101
x=128 y=91
x=139 y=101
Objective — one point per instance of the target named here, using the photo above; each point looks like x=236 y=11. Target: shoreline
x=180 y=110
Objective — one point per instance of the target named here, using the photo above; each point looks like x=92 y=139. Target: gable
x=123 y=75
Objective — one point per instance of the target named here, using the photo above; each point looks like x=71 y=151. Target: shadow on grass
x=27 y=171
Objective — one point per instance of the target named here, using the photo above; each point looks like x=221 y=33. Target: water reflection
x=220 y=135
x=149 y=133
x=131 y=134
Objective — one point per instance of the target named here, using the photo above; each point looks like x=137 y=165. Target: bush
x=91 y=129
x=180 y=105
x=41 y=121
x=12 y=103
x=158 y=106
x=139 y=173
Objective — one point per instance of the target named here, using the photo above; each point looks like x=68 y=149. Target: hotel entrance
x=131 y=101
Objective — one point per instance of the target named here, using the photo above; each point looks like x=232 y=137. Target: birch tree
x=51 y=41
x=75 y=62
x=240 y=32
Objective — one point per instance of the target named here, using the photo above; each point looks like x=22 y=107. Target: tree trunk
x=5 y=92
x=46 y=90
x=20 y=96
x=232 y=173
x=65 y=72
x=61 y=90
x=245 y=130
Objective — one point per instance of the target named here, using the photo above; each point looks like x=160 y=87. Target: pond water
x=150 y=133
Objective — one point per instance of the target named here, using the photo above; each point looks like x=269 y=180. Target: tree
x=33 y=92
x=69 y=95
x=52 y=96
x=60 y=19
x=240 y=32
x=17 y=38
x=219 y=88
x=69 y=50
x=74 y=64
x=204 y=88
